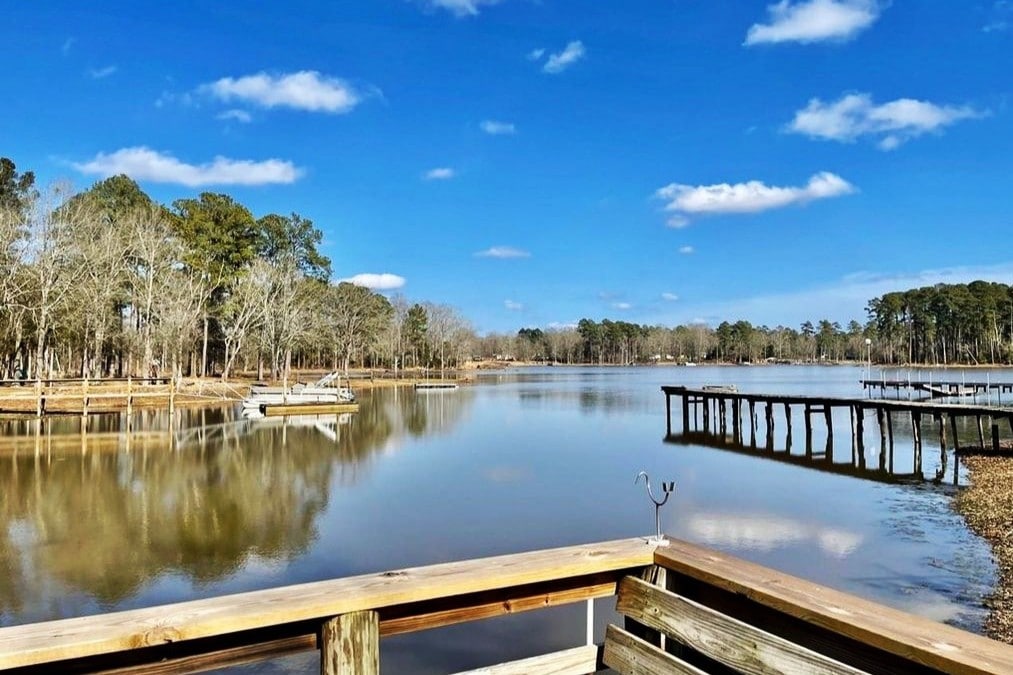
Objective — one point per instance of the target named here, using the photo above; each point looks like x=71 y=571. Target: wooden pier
x=686 y=609
x=708 y=410
x=941 y=388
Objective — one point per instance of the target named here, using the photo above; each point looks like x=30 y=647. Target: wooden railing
x=717 y=611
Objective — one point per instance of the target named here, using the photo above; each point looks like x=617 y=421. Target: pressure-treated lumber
x=629 y=655
x=129 y=630
x=576 y=661
x=736 y=644
x=914 y=639
x=350 y=644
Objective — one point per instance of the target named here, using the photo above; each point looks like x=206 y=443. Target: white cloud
x=560 y=61
x=144 y=164
x=67 y=44
x=623 y=306
x=536 y=54
x=669 y=297
x=100 y=73
x=494 y=128
x=562 y=325
x=439 y=173
x=302 y=90
x=376 y=282
x=503 y=252
x=856 y=115
x=513 y=306
x=765 y=533
x=814 y=21
x=750 y=197
x=461 y=7
x=677 y=222
x=686 y=250
x=235 y=114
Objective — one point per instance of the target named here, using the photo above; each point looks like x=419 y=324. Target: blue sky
x=533 y=162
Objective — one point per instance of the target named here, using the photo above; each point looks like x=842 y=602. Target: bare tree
x=244 y=309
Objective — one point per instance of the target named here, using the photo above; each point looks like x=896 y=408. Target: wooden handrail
x=261 y=624
x=856 y=631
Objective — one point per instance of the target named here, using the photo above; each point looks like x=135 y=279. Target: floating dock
x=941 y=388
x=280 y=409
x=436 y=385
x=685 y=609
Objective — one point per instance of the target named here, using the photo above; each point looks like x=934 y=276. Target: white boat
x=320 y=391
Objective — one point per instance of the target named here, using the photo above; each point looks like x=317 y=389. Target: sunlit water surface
x=528 y=458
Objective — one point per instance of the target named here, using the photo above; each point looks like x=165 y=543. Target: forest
x=108 y=282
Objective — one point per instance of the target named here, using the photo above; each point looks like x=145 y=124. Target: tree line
x=942 y=324
x=109 y=282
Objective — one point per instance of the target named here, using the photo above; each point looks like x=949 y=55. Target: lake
x=210 y=504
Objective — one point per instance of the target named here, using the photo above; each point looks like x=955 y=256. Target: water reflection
x=97 y=509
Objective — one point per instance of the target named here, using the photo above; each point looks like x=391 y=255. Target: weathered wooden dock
x=708 y=410
x=717 y=614
x=941 y=388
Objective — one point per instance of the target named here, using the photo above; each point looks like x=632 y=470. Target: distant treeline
x=943 y=324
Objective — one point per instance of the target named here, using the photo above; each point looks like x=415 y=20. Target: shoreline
x=986 y=506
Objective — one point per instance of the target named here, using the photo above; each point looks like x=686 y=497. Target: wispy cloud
x=622 y=306
x=838 y=300
x=376 y=282
x=144 y=164
x=687 y=250
x=461 y=7
x=669 y=297
x=560 y=61
x=814 y=21
x=503 y=252
x=236 y=115
x=536 y=54
x=750 y=197
x=67 y=45
x=302 y=90
x=494 y=128
x=513 y=305
x=856 y=115
x=100 y=73
x=439 y=173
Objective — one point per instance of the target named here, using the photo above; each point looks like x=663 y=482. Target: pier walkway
x=719 y=410
x=941 y=388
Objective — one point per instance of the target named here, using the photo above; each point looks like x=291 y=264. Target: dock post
x=953 y=428
x=787 y=422
x=752 y=423
x=995 y=437
x=882 y=438
x=350 y=644
x=722 y=414
x=828 y=414
x=39 y=405
x=942 y=438
x=84 y=400
x=808 y=430
x=770 y=425
x=668 y=414
x=685 y=415
x=706 y=413
x=981 y=433
x=736 y=409
x=916 y=432
x=860 y=431
x=130 y=399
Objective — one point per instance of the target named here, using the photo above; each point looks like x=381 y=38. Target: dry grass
x=987 y=506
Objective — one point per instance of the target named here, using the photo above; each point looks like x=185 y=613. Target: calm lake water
x=524 y=459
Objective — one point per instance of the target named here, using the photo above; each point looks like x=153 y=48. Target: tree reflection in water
x=103 y=512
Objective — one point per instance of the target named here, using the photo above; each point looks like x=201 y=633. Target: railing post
x=350 y=644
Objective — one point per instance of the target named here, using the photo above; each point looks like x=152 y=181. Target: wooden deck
x=718 y=612
x=941 y=388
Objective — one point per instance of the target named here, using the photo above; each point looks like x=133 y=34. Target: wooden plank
x=731 y=642
x=629 y=655
x=276 y=410
x=912 y=638
x=132 y=629
x=410 y=618
x=576 y=661
x=350 y=644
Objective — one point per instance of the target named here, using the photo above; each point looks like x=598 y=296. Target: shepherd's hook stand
x=668 y=488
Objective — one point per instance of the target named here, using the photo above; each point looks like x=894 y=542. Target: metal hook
x=667 y=488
